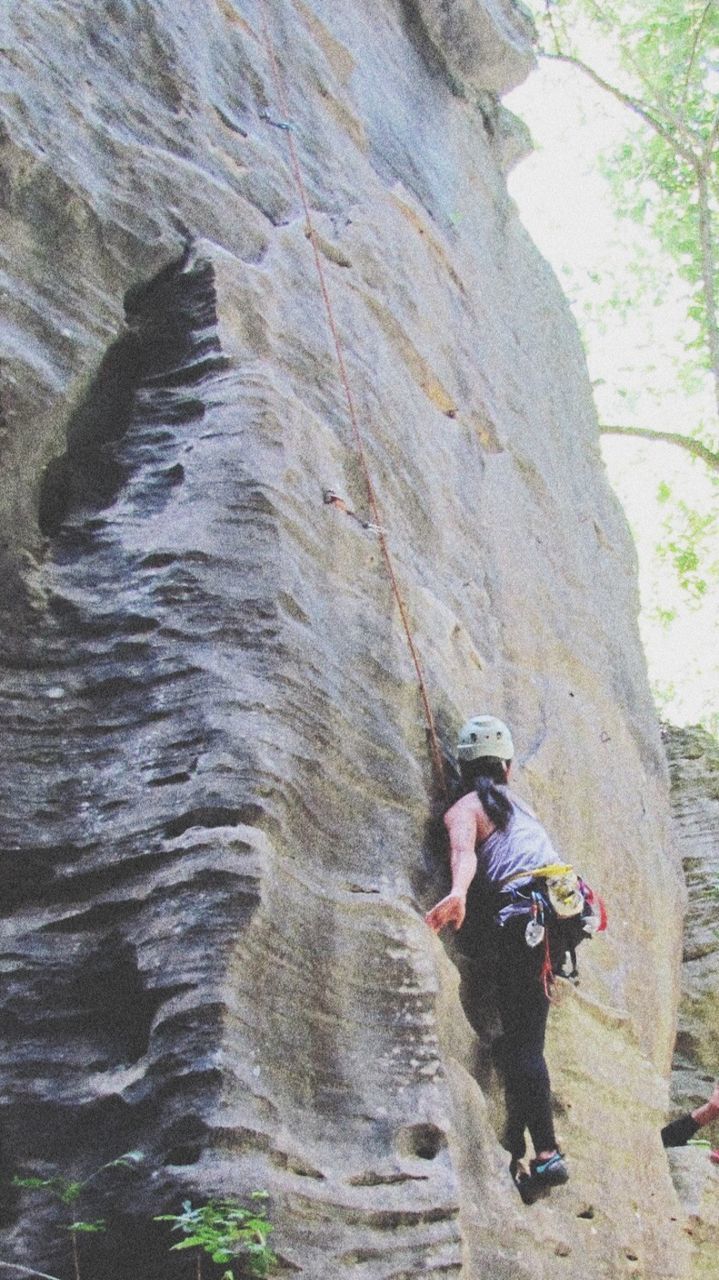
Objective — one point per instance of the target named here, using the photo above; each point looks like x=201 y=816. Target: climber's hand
x=449 y=911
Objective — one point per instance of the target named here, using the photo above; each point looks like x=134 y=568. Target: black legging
x=523 y=1007
x=678 y=1132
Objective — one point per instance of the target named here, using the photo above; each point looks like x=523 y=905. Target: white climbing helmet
x=484 y=736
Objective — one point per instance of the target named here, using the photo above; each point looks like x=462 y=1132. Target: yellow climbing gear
x=553 y=869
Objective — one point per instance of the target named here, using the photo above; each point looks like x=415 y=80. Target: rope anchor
x=332 y=499
x=287 y=125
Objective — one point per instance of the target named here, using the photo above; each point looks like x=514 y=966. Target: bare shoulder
x=465 y=805
x=464 y=812
x=467 y=815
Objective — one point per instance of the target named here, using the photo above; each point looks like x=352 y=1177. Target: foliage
x=660 y=61
x=664 y=68
x=69 y=1190
x=66 y=1191
x=226 y=1230
x=690 y=543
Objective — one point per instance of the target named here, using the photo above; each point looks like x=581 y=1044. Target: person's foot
x=551 y=1171
x=524 y=1182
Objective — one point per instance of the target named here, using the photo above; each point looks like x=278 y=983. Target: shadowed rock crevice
x=68 y=1004
x=170 y=344
x=419 y=38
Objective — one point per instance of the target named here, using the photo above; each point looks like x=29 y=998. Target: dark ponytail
x=485 y=776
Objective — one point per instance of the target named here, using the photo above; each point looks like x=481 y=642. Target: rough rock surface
x=697 y=1184
x=216 y=846
x=694 y=766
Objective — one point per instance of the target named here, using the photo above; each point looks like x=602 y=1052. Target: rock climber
x=678 y=1132
x=494 y=834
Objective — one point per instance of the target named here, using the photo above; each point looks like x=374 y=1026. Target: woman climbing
x=492 y=831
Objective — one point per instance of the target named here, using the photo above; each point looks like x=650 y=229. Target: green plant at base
x=68 y=1190
x=227 y=1232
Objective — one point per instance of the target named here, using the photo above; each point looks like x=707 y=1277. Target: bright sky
x=565 y=204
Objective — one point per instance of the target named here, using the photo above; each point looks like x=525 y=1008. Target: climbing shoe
x=552 y=1172
x=524 y=1182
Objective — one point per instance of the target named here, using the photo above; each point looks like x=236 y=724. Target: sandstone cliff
x=694 y=765
x=217 y=798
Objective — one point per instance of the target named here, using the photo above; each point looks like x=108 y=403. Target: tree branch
x=689 y=443
x=695 y=45
x=708 y=260
x=711 y=141
x=633 y=104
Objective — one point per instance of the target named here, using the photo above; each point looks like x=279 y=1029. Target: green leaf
x=69 y=1191
x=128 y=1159
x=224 y=1229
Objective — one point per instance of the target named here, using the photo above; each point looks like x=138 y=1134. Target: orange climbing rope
x=286 y=126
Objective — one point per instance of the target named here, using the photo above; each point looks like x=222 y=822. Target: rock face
x=694 y=765
x=218 y=804
x=697 y=1183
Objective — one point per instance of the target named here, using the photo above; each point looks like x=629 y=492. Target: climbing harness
x=535 y=930
x=376 y=523
x=563 y=910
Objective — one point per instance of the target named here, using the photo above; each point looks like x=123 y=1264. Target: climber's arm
x=461 y=824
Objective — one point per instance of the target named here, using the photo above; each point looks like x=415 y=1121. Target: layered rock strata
x=217 y=841
x=694 y=765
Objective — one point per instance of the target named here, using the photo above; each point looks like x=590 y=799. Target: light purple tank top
x=524 y=846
